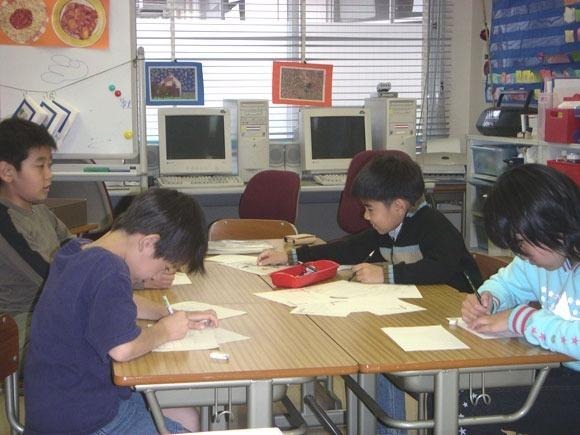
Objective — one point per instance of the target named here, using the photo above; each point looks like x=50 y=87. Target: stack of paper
x=247 y=263
x=238 y=246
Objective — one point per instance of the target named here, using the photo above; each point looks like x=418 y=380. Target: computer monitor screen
x=330 y=138
x=194 y=141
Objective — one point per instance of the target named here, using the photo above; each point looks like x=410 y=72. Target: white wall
x=466 y=85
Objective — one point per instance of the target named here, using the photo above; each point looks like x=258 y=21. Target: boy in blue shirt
x=86 y=317
x=534 y=210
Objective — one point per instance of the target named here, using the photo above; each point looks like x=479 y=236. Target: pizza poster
x=56 y=23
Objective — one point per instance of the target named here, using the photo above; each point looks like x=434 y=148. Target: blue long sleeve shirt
x=556 y=325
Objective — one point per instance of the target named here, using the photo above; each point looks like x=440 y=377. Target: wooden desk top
x=280 y=345
x=360 y=335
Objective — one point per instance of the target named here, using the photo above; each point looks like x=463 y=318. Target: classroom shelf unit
x=485 y=155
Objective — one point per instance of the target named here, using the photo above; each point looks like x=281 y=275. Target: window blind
x=366 y=41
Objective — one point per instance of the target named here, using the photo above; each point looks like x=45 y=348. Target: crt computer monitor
x=194 y=141
x=330 y=137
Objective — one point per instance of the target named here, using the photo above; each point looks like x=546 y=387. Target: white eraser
x=221 y=356
x=453 y=321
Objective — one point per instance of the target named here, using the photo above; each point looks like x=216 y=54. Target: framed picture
x=173 y=83
x=304 y=84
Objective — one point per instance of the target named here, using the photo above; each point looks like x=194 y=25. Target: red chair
x=350 y=215
x=271 y=194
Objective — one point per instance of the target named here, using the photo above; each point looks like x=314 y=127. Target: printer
x=443 y=167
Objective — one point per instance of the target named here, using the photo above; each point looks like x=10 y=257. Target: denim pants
x=133 y=417
x=392 y=401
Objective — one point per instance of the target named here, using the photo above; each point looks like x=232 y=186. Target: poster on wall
x=65 y=23
x=174 y=83
x=303 y=84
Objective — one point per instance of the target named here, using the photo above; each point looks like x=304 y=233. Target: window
x=367 y=42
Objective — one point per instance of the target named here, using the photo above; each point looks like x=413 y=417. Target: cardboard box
x=72 y=211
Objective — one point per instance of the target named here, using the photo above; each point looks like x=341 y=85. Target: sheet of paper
x=461 y=323
x=222 y=312
x=293 y=298
x=330 y=309
x=203 y=339
x=246 y=263
x=348 y=289
x=385 y=306
x=237 y=246
x=423 y=338
x=180 y=279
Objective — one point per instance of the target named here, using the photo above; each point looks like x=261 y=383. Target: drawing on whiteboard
x=64 y=69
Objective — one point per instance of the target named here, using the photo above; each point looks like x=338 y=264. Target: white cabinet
x=489 y=152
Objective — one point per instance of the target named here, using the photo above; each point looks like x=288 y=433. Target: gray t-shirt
x=28 y=241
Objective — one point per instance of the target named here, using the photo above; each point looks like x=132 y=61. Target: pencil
x=167 y=304
x=368 y=257
x=475 y=292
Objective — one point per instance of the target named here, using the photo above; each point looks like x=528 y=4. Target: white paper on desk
x=487 y=336
x=221 y=312
x=384 y=306
x=246 y=263
x=294 y=297
x=347 y=289
x=180 y=279
x=237 y=246
x=423 y=338
x=329 y=309
x=201 y=339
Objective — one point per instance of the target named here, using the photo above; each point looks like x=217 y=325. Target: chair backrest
x=271 y=194
x=9 y=369
x=250 y=229
x=350 y=210
x=488 y=265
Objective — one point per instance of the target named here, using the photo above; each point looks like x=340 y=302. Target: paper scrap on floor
x=201 y=339
x=221 y=312
x=424 y=338
x=486 y=336
x=237 y=246
x=181 y=279
x=246 y=263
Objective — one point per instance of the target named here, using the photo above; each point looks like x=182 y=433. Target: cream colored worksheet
x=201 y=339
x=424 y=338
x=247 y=263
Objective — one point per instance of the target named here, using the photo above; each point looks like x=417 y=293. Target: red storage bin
x=571 y=169
x=304 y=274
x=562 y=125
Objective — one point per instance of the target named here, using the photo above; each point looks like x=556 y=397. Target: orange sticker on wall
x=64 y=23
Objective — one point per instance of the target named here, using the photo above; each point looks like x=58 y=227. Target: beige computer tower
x=393 y=123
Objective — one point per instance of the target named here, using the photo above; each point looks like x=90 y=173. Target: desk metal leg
x=367 y=422
x=260 y=404
x=155 y=410
x=351 y=409
x=446 y=399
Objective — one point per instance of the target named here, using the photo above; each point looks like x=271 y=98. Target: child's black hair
x=178 y=220
x=537 y=204
x=386 y=178
x=18 y=136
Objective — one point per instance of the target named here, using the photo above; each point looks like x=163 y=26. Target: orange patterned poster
x=302 y=84
x=64 y=23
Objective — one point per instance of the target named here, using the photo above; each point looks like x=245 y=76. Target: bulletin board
x=533 y=41
x=97 y=81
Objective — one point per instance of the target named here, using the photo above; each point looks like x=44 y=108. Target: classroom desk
x=281 y=347
x=360 y=335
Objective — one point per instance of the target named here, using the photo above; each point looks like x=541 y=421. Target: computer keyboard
x=199 y=181
x=330 y=179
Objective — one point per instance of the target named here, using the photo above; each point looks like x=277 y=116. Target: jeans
x=134 y=418
x=392 y=401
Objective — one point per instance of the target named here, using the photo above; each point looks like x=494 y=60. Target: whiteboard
x=83 y=78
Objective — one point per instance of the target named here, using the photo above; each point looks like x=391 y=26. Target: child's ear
x=147 y=243
x=6 y=171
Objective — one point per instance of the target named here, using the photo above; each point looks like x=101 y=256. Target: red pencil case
x=304 y=274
